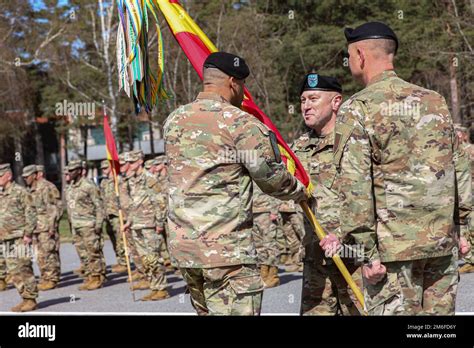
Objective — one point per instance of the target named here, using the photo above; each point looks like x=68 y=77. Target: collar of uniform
x=382 y=76
x=78 y=182
x=211 y=96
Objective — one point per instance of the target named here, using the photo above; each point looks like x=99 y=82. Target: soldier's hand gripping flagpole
x=336 y=258
x=114 y=164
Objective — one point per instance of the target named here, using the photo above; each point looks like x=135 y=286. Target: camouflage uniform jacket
x=398 y=160
x=263 y=203
x=47 y=200
x=109 y=199
x=215 y=150
x=316 y=154
x=146 y=205
x=17 y=212
x=85 y=204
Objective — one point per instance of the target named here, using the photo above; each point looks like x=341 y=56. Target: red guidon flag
x=110 y=147
x=197 y=46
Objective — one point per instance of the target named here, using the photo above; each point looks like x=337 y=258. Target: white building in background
x=96 y=151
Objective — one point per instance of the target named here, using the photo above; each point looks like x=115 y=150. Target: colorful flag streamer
x=135 y=75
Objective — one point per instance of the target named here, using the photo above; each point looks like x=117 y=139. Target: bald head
x=368 y=58
x=213 y=76
x=228 y=87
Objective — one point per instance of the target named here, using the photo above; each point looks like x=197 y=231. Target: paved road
x=115 y=295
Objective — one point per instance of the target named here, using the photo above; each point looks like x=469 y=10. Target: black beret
x=371 y=30
x=315 y=82
x=228 y=63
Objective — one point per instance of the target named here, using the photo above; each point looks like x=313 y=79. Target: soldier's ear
x=336 y=102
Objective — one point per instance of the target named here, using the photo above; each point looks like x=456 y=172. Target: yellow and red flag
x=110 y=147
x=197 y=46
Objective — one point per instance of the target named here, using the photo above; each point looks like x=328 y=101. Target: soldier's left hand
x=273 y=217
x=330 y=244
x=51 y=234
x=464 y=246
x=27 y=240
x=159 y=229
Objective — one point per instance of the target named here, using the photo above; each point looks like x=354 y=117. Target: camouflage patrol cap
x=28 y=170
x=150 y=163
x=74 y=164
x=122 y=158
x=161 y=159
x=40 y=168
x=104 y=164
x=4 y=168
x=134 y=156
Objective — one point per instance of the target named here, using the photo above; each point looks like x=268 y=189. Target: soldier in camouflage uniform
x=17 y=223
x=40 y=175
x=47 y=200
x=265 y=220
x=462 y=133
x=159 y=169
x=76 y=241
x=145 y=220
x=215 y=150
x=293 y=230
x=112 y=223
x=325 y=292
x=399 y=166
x=87 y=216
x=124 y=190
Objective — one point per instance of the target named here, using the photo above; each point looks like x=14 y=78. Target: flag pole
x=336 y=258
x=121 y=223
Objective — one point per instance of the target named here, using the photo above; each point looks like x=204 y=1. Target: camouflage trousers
x=264 y=235
x=147 y=244
x=3 y=267
x=164 y=254
x=293 y=230
x=325 y=291
x=112 y=227
x=89 y=245
x=426 y=287
x=231 y=290
x=133 y=254
x=282 y=243
x=20 y=267
x=47 y=256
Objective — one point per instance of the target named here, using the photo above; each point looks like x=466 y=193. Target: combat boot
x=26 y=305
x=272 y=279
x=264 y=271
x=156 y=295
x=3 y=285
x=466 y=268
x=95 y=283
x=136 y=276
x=119 y=268
x=142 y=284
x=45 y=285
x=85 y=284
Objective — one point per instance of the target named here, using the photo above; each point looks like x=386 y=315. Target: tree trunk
x=453 y=83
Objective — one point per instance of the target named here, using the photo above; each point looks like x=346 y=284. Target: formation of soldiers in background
x=398 y=185
x=93 y=208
